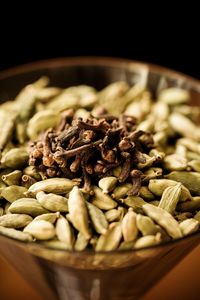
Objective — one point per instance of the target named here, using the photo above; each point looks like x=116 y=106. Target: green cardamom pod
x=46 y=93
x=41 y=230
x=2 y=187
x=31 y=171
x=78 y=212
x=41 y=121
x=27 y=206
x=15 y=158
x=174 y=96
x=126 y=245
x=13 y=193
x=146 y=225
x=134 y=202
x=164 y=219
x=50 y=217
x=170 y=198
x=190 y=144
x=64 y=232
x=52 y=202
x=112 y=215
x=146 y=194
x=107 y=184
x=147 y=241
x=81 y=242
x=157 y=187
x=117 y=171
x=12 y=178
x=111 y=239
x=15 y=220
x=63 y=102
x=52 y=185
x=190 y=180
x=192 y=155
x=101 y=200
x=184 y=126
x=7 y=125
x=82 y=113
x=194 y=165
x=189 y=226
x=21 y=131
x=175 y=162
x=121 y=191
x=16 y=234
x=152 y=173
x=27 y=98
x=129 y=227
x=98 y=218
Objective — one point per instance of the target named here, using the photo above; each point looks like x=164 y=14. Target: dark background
x=171 y=40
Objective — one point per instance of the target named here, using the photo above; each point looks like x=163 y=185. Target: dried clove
x=136 y=176
x=91 y=148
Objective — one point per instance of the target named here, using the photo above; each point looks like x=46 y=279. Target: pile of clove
x=89 y=149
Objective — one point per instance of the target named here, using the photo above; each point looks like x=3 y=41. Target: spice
x=40 y=229
x=64 y=232
x=108 y=170
x=91 y=149
x=129 y=227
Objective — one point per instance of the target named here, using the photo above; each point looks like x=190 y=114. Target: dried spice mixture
x=103 y=170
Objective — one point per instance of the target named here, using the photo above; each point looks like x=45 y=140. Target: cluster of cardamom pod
x=103 y=170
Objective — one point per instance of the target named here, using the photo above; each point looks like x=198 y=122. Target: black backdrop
x=166 y=41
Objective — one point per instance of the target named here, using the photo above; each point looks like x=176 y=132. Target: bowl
x=87 y=275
